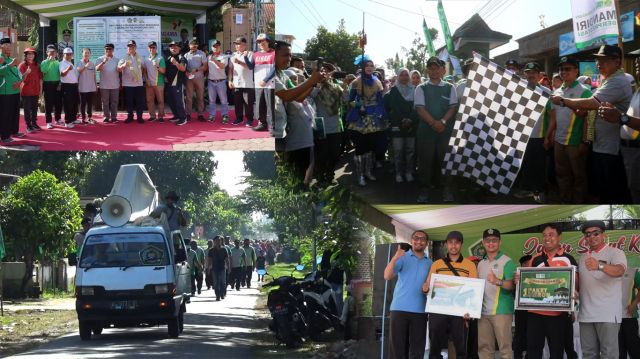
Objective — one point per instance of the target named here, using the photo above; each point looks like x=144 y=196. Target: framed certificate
x=455 y=296
x=546 y=288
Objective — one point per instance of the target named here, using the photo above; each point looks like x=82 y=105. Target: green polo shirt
x=569 y=126
x=497 y=300
x=9 y=75
x=50 y=70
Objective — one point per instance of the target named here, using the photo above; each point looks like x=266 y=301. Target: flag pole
x=620 y=45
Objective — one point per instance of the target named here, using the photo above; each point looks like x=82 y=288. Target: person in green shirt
x=155 y=68
x=10 y=80
x=50 y=68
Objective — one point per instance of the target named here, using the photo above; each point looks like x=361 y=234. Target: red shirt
x=30 y=83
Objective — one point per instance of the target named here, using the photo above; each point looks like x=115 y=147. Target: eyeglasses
x=567 y=69
x=592 y=234
x=419 y=238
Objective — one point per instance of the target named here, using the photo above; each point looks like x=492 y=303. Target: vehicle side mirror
x=73 y=259
x=181 y=256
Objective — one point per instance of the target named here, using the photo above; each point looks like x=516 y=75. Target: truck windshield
x=124 y=250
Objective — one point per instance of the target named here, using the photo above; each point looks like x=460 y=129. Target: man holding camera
x=408 y=322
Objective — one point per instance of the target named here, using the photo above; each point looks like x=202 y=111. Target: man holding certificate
x=408 y=322
x=497 y=303
x=548 y=324
x=440 y=324
x=601 y=271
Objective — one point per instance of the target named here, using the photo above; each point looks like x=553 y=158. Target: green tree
x=219 y=213
x=260 y=164
x=339 y=47
x=39 y=215
x=414 y=58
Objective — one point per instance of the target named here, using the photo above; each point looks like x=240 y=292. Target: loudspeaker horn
x=116 y=211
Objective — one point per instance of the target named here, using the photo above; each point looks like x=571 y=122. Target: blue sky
x=391 y=24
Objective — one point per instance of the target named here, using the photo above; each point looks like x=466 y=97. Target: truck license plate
x=124 y=305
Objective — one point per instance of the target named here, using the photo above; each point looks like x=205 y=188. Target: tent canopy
x=56 y=9
x=472 y=220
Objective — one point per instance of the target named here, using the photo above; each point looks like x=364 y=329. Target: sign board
x=238 y=18
x=94 y=32
x=548 y=288
x=453 y=295
x=593 y=20
x=574 y=243
x=567 y=42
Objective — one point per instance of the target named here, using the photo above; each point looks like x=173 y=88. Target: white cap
x=67 y=50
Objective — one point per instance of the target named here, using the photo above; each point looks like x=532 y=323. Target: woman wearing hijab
x=366 y=118
x=399 y=106
x=416 y=78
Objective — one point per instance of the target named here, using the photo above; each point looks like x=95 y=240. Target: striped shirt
x=569 y=126
x=496 y=300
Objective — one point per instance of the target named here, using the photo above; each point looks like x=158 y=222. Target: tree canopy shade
x=56 y=9
x=339 y=47
x=39 y=215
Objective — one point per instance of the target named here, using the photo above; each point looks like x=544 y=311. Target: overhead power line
x=378 y=17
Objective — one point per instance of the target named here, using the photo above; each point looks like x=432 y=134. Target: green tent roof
x=56 y=9
x=471 y=220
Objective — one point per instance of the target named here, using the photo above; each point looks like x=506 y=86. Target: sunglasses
x=592 y=234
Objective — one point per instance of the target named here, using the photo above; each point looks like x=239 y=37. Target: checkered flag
x=496 y=117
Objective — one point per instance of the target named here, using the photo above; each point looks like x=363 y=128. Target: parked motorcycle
x=286 y=305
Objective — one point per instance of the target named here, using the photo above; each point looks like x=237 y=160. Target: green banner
x=445 y=28
x=574 y=243
x=427 y=35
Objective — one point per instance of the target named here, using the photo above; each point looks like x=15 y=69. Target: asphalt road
x=225 y=329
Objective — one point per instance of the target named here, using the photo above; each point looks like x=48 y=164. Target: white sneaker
x=69 y=125
x=399 y=178
x=361 y=181
x=49 y=126
x=409 y=177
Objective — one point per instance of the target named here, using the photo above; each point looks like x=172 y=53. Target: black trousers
x=540 y=327
x=135 y=96
x=52 y=100
x=532 y=175
x=208 y=278
x=327 y=154
x=70 y=97
x=9 y=115
x=236 y=277
x=30 y=104
x=628 y=341
x=609 y=178
x=408 y=333
x=300 y=161
x=569 y=348
x=441 y=328
x=86 y=104
x=244 y=99
x=519 y=343
x=196 y=279
x=248 y=273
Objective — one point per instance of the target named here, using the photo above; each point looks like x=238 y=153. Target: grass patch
x=278 y=270
x=24 y=329
x=56 y=294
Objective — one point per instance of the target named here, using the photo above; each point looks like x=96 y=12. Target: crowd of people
x=148 y=83
x=586 y=142
x=606 y=291
x=223 y=265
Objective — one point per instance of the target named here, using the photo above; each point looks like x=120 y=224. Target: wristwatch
x=500 y=283
x=600 y=266
x=624 y=119
x=562 y=102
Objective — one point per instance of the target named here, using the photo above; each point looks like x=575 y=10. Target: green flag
x=445 y=28
x=2 y=251
x=427 y=35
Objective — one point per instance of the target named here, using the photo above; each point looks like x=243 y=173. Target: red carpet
x=132 y=136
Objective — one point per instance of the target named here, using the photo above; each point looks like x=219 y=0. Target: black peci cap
x=593 y=223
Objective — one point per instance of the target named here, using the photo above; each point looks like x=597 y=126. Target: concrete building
x=241 y=21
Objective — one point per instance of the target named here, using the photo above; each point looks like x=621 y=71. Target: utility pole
x=258 y=21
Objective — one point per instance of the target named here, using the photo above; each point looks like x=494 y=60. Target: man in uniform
x=131 y=68
x=600 y=314
x=155 y=68
x=196 y=67
x=66 y=42
x=494 y=325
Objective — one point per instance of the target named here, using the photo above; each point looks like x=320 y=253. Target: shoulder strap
x=453 y=270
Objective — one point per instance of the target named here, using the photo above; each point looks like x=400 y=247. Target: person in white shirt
x=109 y=83
x=241 y=82
x=86 y=85
x=132 y=72
x=69 y=87
x=264 y=79
x=217 y=82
